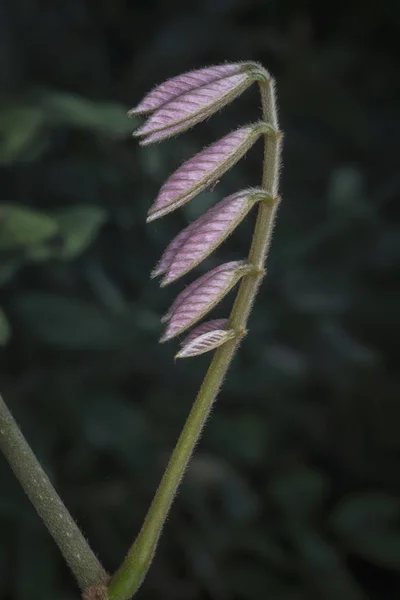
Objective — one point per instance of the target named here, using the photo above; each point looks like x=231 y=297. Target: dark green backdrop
x=294 y=490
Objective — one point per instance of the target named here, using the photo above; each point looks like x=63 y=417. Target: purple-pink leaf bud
x=205 y=328
x=201 y=237
x=189 y=289
x=175 y=87
x=211 y=90
x=158 y=136
x=204 y=342
x=169 y=253
x=201 y=171
x=202 y=295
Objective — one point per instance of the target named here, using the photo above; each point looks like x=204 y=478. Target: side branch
x=68 y=537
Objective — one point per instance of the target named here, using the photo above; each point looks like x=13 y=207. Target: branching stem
x=75 y=549
x=131 y=573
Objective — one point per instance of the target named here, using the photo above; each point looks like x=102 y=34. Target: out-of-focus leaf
x=234 y=492
x=253 y=581
x=5 y=329
x=40 y=252
x=301 y=493
x=111 y=423
x=367 y=524
x=104 y=118
x=323 y=568
x=380 y=547
x=7 y=269
x=262 y=545
x=346 y=346
x=78 y=226
x=244 y=437
x=22 y=226
x=346 y=195
x=20 y=127
x=356 y=513
x=69 y=323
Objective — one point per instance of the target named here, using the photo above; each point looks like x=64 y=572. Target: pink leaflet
x=205 y=234
x=205 y=328
x=202 y=170
x=172 y=88
x=159 y=136
x=201 y=296
x=169 y=253
x=205 y=343
x=194 y=106
x=201 y=281
x=182 y=296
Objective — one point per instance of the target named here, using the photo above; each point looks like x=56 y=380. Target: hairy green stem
x=75 y=549
x=131 y=573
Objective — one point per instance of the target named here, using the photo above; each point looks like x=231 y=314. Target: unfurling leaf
x=189 y=289
x=201 y=296
x=205 y=328
x=183 y=106
x=195 y=175
x=201 y=237
x=210 y=340
x=169 y=253
x=175 y=87
x=158 y=136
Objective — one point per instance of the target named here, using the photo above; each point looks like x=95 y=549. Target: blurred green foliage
x=293 y=493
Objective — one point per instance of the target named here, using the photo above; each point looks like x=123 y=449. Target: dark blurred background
x=293 y=493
